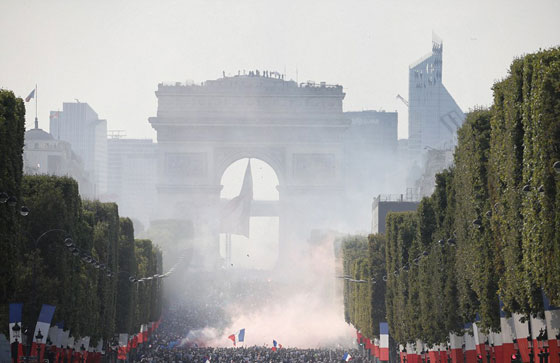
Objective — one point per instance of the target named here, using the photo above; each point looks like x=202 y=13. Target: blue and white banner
x=44 y=323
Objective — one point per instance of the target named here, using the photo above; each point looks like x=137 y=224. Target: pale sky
x=112 y=54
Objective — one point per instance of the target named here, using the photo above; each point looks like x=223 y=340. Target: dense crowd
x=247 y=354
x=170 y=344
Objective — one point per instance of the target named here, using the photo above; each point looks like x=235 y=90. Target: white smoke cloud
x=306 y=310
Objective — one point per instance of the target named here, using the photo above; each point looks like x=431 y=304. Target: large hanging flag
x=383 y=341
x=15 y=322
x=15 y=329
x=43 y=326
x=30 y=96
x=236 y=213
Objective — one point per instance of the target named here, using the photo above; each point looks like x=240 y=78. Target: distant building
x=79 y=125
x=372 y=132
x=435 y=161
x=384 y=204
x=42 y=154
x=132 y=175
x=433 y=114
x=370 y=160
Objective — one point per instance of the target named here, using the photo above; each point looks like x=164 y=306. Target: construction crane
x=403 y=100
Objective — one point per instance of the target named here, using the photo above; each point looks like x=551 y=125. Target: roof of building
x=38 y=134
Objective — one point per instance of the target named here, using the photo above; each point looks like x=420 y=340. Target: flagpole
x=228 y=249
x=36 y=97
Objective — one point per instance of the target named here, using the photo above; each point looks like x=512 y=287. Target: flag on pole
x=346 y=357
x=276 y=345
x=30 y=96
x=238 y=337
x=235 y=215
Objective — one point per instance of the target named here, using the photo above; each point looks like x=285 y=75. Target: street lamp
x=12 y=201
x=531 y=349
x=39 y=338
x=82 y=348
x=23 y=211
x=556 y=167
x=542 y=344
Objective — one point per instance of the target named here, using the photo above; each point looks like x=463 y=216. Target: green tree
x=12 y=129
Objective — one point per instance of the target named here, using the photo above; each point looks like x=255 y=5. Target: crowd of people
x=248 y=354
x=170 y=343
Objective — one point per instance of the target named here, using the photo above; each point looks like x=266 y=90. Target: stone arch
x=273 y=157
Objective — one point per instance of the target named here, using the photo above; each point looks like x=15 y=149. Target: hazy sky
x=112 y=54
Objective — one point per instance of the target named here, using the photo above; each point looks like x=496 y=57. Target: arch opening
x=260 y=250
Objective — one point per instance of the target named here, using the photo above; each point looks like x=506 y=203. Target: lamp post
x=39 y=338
x=531 y=349
x=542 y=344
x=83 y=349
x=516 y=357
x=15 y=345
x=12 y=202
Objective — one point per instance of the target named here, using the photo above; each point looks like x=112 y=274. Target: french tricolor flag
x=276 y=345
x=43 y=326
x=15 y=321
x=346 y=357
x=238 y=337
x=383 y=341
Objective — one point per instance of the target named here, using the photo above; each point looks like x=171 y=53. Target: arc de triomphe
x=296 y=129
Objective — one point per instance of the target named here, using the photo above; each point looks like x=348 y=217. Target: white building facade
x=79 y=125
